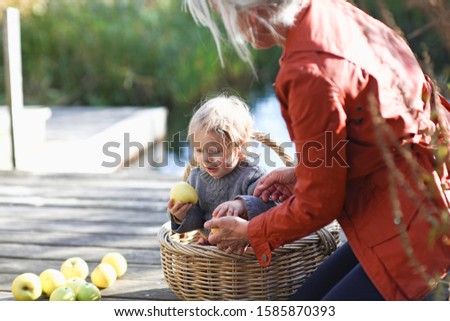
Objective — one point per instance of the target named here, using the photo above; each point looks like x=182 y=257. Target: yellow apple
x=184 y=192
x=104 y=275
x=118 y=262
x=63 y=293
x=88 y=292
x=75 y=267
x=26 y=287
x=74 y=283
x=50 y=280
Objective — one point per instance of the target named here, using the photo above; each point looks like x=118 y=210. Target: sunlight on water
x=268 y=119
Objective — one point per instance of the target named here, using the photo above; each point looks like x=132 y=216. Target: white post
x=13 y=78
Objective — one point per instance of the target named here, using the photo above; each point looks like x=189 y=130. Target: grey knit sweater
x=240 y=183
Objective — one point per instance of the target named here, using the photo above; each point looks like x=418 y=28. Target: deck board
x=45 y=219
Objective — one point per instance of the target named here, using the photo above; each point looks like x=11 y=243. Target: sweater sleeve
x=255 y=205
x=194 y=220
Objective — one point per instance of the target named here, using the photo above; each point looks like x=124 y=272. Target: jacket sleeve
x=313 y=110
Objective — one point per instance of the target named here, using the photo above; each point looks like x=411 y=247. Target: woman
x=357 y=105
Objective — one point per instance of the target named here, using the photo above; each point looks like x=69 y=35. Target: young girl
x=223 y=179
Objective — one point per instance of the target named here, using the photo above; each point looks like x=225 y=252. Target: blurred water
x=268 y=119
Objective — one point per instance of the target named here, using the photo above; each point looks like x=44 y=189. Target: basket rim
x=324 y=235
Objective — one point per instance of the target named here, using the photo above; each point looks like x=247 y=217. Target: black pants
x=341 y=278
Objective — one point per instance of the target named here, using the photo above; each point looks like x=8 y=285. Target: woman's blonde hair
x=280 y=11
x=226 y=115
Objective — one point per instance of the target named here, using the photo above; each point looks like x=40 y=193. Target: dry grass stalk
x=386 y=139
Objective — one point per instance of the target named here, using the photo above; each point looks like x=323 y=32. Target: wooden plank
x=138 y=273
x=134 y=271
x=89 y=254
x=106 y=151
x=99 y=227
x=154 y=215
x=42 y=224
x=163 y=294
x=128 y=204
x=13 y=221
x=69 y=238
x=84 y=192
x=137 y=283
x=104 y=181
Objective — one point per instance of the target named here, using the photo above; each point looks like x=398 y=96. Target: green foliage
x=421 y=31
x=149 y=53
x=116 y=53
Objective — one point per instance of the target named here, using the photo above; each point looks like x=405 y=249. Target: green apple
x=75 y=267
x=26 y=287
x=74 y=283
x=184 y=192
x=63 y=293
x=88 y=292
x=104 y=275
x=51 y=279
x=118 y=262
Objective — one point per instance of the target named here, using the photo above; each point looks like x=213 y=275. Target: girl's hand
x=179 y=209
x=231 y=208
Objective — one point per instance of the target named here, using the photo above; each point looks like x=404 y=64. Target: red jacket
x=337 y=64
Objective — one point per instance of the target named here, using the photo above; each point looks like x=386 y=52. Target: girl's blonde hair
x=280 y=12
x=227 y=115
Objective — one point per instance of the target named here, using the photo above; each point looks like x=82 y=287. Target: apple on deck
x=26 y=287
x=69 y=283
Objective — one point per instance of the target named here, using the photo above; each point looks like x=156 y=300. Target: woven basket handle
x=329 y=242
x=265 y=139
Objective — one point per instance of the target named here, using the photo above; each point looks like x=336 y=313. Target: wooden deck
x=45 y=219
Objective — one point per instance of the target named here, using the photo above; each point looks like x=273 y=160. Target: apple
x=74 y=283
x=75 y=267
x=104 y=275
x=118 y=262
x=63 y=293
x=51 y=279
x=26 y=287
x=184 y=192
x=88 y=292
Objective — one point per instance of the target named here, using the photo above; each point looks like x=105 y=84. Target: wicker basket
x=199 y=272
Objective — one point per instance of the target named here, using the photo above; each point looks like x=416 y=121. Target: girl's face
x=211 y=153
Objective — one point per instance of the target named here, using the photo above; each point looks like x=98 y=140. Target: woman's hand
x=231 y=235
x=277 y=185
x=179 y=209
x=231 y=208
